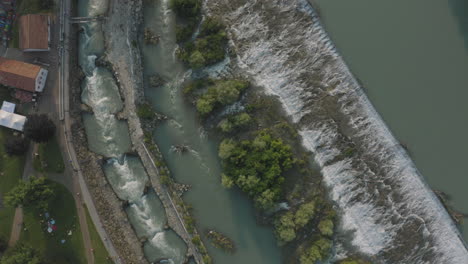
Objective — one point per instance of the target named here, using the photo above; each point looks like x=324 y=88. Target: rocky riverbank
x=123 y=57
x=109 y=207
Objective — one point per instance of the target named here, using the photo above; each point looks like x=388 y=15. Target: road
x=63 y=103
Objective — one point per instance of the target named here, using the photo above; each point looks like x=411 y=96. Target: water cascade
x=110 y=138
x=384 y=203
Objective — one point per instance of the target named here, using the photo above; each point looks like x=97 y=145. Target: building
x=9 y=119
x=22 y=75
x=34 y=32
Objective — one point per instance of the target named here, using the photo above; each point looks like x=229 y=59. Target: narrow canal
x=411 y=57
x=109 y=137
x=227 y=211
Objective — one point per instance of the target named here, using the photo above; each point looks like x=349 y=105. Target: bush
x=145 y=111
x=16 y=146
x=229 y=124
x=220 y=93
x=209 y=47
x=317 y=251
x=304 y=214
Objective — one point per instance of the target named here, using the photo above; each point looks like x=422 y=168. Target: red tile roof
x=18 y=74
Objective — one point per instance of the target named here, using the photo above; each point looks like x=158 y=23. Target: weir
x=384 y=203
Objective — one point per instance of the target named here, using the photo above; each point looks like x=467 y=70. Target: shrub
x=220 y=93
x=145 y=111
x=317 y=251
x=16 y=146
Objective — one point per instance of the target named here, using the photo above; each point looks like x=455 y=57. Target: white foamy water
x=127 y=177
x=393 y=214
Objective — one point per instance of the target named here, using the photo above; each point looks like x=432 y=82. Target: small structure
x=8 y=107
x=22 y=75
x=9 y=119
x=34 y=32
x=12 y=120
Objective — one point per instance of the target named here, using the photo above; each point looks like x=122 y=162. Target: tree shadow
x=460 y=11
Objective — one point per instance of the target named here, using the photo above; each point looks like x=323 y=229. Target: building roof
x=18 y=74
x=8 y=107
x=12 y=120
x=34 y=32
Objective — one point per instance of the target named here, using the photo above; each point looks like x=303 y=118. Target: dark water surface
x=412 y=58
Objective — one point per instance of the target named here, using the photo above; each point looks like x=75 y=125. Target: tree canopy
x=35 y=193
x=208 y=48
x=222 y=92
x=256 y=166
x=39 y=128
x=22 y=254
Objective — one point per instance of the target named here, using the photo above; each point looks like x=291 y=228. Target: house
x=34 y=32
x=22 y=75
x=9 y=119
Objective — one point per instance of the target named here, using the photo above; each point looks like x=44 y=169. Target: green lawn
x=11 y=170
x=100 y=252
x=63 y=210
x=50 y=157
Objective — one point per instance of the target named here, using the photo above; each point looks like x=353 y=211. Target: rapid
x=108 y=136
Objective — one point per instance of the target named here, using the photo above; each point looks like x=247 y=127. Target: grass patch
x=50 y=157
x=11 y=170
x=63 y=211
x=100 y=251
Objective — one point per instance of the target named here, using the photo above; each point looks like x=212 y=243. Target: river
x=227 y=211
x=412 y=58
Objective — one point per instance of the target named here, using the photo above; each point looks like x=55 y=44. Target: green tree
x=35 y=193
x=228 y=93
x=197 y=60
x=326 y=227
x=226 y=181
x=204 y=106
x=22 y=254
x=304 y=214
x=285 y=228
x=226 y=148
x=242 y=119
x=226 y=126
x=39 y=128
x=317 y=251
x=257 y=169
